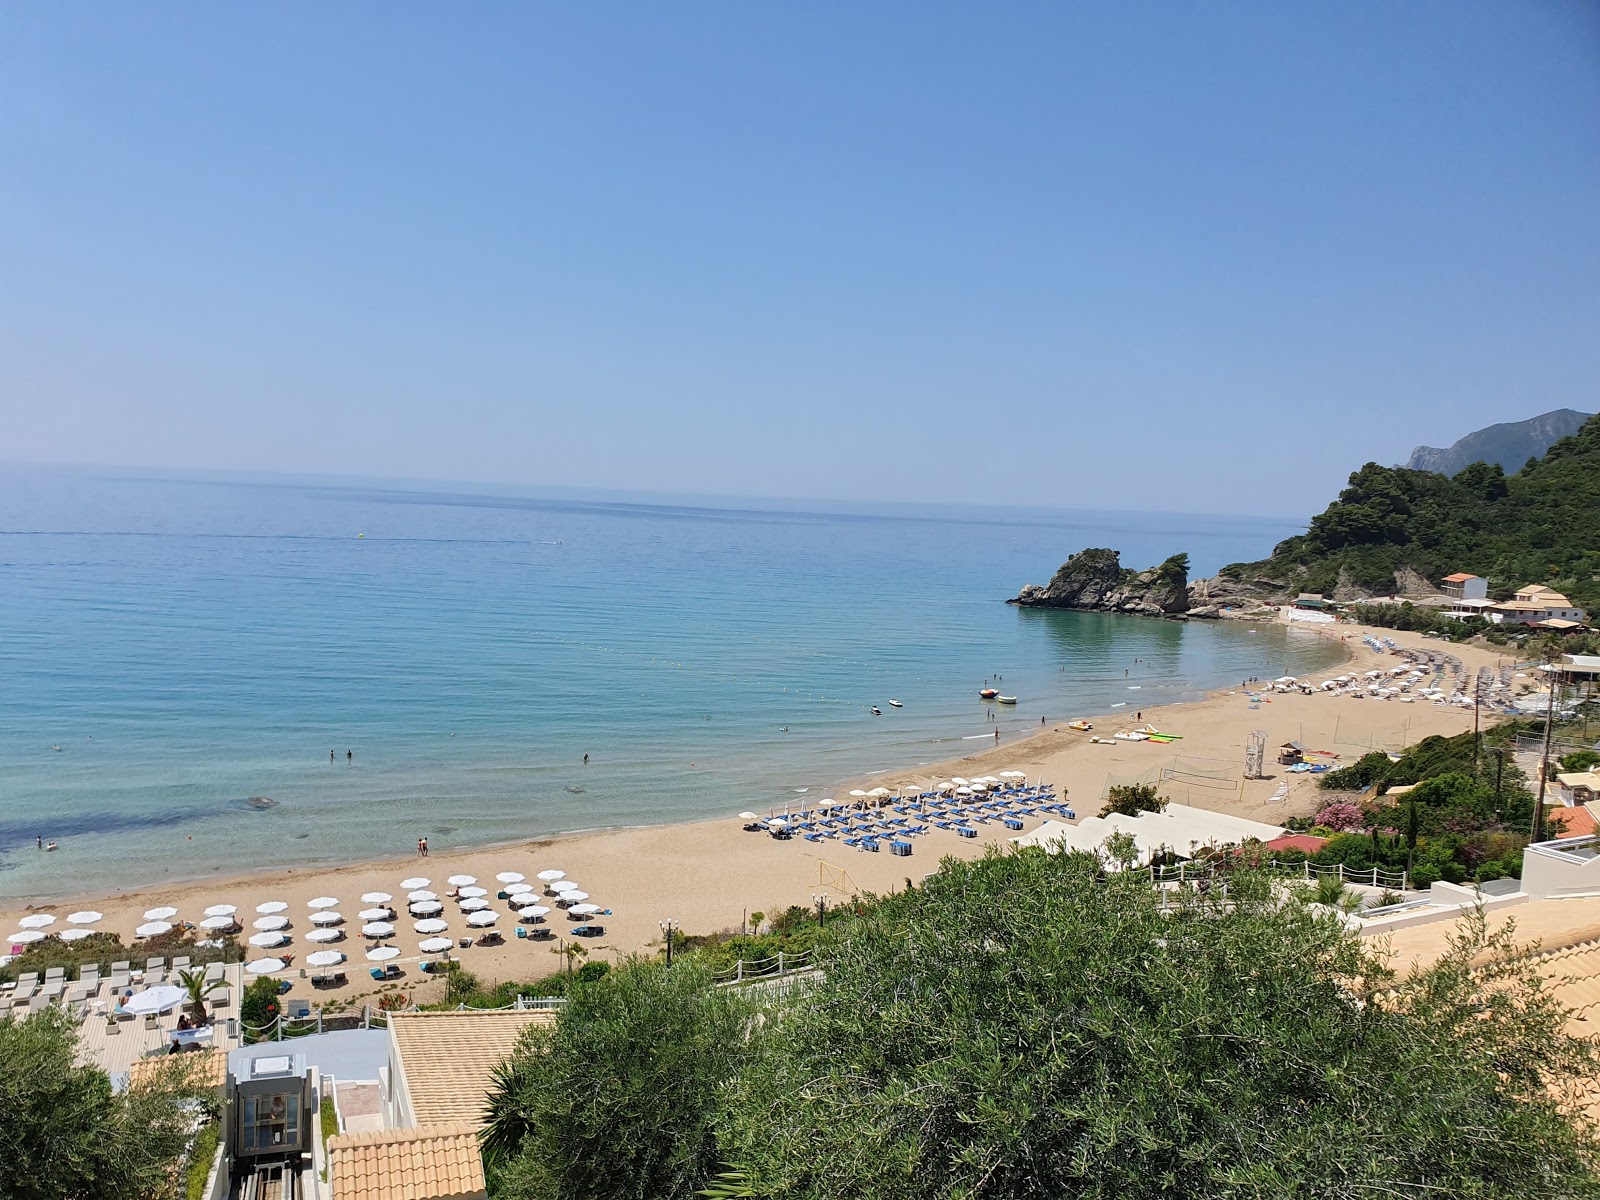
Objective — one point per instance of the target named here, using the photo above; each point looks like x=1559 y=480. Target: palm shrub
x=618 y=1099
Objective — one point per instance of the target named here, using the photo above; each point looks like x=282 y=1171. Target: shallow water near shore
x=191 y=644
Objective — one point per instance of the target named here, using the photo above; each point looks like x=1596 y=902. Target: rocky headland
x=1095 y=580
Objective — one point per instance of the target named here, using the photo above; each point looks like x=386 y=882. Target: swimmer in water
x=585 y=756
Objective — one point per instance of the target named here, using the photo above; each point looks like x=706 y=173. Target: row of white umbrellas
x=270 y=924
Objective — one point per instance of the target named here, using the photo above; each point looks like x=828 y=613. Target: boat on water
x=1005 y=699
x=876 y=711
x=989 y=693
x=895 y=704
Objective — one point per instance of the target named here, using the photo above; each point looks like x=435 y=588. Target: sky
x=1156 y=256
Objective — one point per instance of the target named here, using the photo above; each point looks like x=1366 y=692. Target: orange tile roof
x=1576 y=821
x=448 y=1058
x=430 y=1162
x=1458 y=577
x=197 y=1068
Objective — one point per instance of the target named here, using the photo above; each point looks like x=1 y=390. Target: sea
x=222 y=674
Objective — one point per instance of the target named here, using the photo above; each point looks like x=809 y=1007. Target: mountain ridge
x=1508 y=445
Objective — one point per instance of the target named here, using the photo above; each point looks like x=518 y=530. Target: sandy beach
x=710 y=875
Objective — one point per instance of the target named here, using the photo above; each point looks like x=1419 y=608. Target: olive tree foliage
x=1024 y=1026
x=619 y=1098
x=66 y=1135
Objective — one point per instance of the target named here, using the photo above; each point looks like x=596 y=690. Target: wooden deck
x=117 y=1052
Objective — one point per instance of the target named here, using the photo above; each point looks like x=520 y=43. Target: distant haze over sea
x=190 y=644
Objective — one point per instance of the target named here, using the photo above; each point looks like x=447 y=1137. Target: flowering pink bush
x=1341 y=816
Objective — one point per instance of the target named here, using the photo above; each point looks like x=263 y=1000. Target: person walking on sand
x=996 y=737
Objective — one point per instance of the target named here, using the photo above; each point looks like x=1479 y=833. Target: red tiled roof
x=1574 y=822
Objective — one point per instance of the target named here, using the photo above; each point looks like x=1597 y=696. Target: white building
x=1462 y=586
x=1179 y=828
x=1533 y=604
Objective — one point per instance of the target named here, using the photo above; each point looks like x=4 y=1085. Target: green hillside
x=1540 y=525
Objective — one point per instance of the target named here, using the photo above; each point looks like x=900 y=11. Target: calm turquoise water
x=190 y=644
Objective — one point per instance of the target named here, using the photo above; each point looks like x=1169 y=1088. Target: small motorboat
x=1005 y=699
x=1081 y=726
x=989 y=693
x=876 y=711
x=895 y=704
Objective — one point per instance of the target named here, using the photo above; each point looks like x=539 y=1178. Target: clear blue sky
x=1157 y=256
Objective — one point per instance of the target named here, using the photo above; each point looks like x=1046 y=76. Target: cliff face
x=1508 y=446
x=1095 y=580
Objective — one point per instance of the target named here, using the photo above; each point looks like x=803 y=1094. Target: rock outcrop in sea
x=1094 y=580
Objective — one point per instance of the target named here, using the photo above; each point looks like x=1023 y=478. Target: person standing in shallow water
x=330 y=755
x=349 y=756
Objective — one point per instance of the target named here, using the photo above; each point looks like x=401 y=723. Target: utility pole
x=1544 y=754
x=821 y=901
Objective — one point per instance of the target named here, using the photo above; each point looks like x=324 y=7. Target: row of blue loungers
x=921 y=814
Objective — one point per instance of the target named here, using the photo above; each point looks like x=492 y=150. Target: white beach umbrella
x=563 y=885
x=327 y=918
x=859 y=794
x=324 y=958
x=416 y=881
x=963 y=791
x=87 y=917
x=272 y=906
x=462 y=880
x=531 y=911
x=39 y=921
x=472 y=893
x=25 y=936
x=551 y=876
x=434 y=945
x=425 y=908
x=264 y=966
x=584 y=909
x=376 y=897
x=165 y=913
x=325 y=935
x=748 y=816
x=76 y=933
x=153 y=929
x=880 y=791
x=432 y=925
x=213 y=924
x=422 y=894
x=483 y=918
x=270 y=923
x=380 y=953
x=374 y=914
x=978 y=787
x=572 y=897
x=511 y=877
x=958 y=781
x=222 y=910
x=473 y=904
x=1013 y=775
x=268 y=939
x=377 y=929
x=155 y=1000
x=777 y=822
x=322 y=902
x=518 y=889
